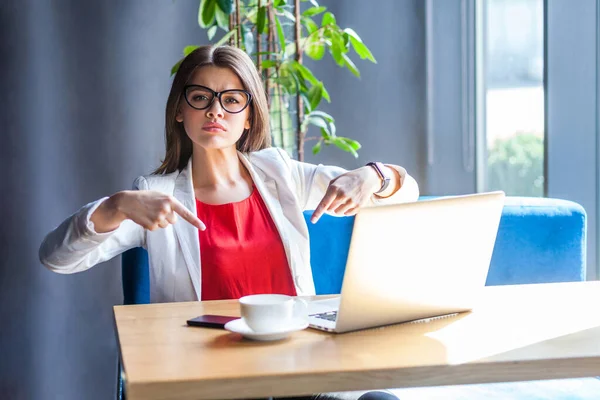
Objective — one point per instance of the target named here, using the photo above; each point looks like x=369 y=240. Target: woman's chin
x=213 y=142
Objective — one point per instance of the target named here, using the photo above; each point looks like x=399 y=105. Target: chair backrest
x=135 y=272
x=539 y=240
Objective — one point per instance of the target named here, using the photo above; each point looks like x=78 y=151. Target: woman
x=222 y=216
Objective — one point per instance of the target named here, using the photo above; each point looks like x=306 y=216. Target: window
x=512 y=34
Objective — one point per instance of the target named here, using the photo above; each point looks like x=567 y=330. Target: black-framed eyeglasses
x=233 y=100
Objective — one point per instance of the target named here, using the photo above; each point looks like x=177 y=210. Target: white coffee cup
x=271 y=312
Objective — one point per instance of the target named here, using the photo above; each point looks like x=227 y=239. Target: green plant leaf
x=359 y=47
x=212 y=31
x=321 y=114
x=337 y=47
x=316 y=121
x=350 y=32
x=225 y=38
x=269 y=63
x=314 y=48
x=289 y=15
x=315 y=94
x=314 y=11
x=280 y=34
x=350 y=65
x=362 y=50
x=279 y=3
x=305 y=72
x=306 y=102
x=222 y=19
x=317 y=147
x=325 y=135
x=328 y=19
x=188 y=49
x=337 y=56
x=206 y=13
x=261 y=20
x=342 y=144
x=226 y=6
x=175 y=67
x=300 y=82
x=310 y=25
x=286 y=79
x=351 y=142
x=290 y=50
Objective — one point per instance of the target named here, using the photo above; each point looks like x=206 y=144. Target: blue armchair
x=539 y=240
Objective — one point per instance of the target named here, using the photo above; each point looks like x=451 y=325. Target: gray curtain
x=83 y=89
x=82 y=92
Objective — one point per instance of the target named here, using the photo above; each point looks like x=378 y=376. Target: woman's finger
x=352 y=211
x=339 y=201
x=342 y=208
x=187 y=215
x=171 y=218
x=163 y=223
x=323 y=205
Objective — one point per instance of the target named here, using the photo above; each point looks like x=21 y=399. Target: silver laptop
x=412 y=261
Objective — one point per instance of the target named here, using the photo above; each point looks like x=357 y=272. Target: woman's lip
x=213 y=127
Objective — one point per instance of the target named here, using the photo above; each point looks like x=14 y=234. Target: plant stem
x=270 y=50
x=299 y=133
x=239 y=25
x=280 y=100
x=258 y=50
x=231 y=27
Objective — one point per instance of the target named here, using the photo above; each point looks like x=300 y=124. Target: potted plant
x=278 y=36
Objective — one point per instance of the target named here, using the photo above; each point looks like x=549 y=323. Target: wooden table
x=517 y=333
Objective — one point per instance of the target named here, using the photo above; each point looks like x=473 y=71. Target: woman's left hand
x=348 y=192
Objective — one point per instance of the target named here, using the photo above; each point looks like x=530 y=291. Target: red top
x=241 y=251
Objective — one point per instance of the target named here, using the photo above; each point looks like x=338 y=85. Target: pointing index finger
x=188 y=215
x=323 y=205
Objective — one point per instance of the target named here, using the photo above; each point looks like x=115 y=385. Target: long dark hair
x=178 y=144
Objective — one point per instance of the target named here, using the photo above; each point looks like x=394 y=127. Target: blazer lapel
x=187 y=234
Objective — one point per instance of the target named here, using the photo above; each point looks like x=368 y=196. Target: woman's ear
x=179 y=116
x=247 y=124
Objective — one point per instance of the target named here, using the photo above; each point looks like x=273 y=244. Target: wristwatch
x=381 y=171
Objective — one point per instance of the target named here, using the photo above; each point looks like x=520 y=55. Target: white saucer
x=239 y=326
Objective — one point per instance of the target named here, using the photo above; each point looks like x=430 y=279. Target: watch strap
x=385 y=178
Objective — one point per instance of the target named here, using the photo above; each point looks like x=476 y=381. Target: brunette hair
x=178 y=144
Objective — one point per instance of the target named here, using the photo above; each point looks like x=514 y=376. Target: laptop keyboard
x=329 y=316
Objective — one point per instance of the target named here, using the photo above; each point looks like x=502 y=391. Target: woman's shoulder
x=159 y=182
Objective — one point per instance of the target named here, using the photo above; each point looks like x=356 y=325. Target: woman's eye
x=199 y=97
x=231 y=100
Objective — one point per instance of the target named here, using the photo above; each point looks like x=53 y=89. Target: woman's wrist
x=374 y=181
x=109 y=215
x=393 y=185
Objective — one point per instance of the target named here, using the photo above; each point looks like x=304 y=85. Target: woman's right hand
x=147 y=208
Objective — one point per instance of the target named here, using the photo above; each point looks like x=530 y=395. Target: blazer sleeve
x=312 y=181
x=75 y=246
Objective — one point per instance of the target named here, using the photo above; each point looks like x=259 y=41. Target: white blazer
x=288 y=187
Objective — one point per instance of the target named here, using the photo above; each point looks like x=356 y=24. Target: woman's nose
x=215 y=110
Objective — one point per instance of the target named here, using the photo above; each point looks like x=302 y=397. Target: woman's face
x=214 y=127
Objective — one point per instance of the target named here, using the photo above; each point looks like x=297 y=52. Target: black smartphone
x=210 y=321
